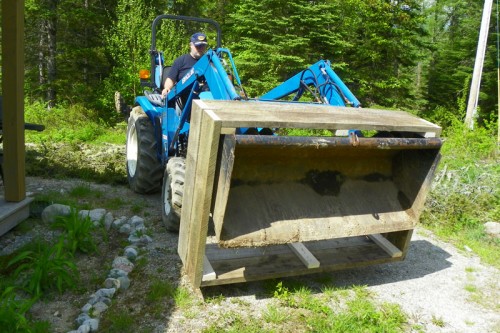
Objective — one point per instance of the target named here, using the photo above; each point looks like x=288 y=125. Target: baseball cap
x=199 y=39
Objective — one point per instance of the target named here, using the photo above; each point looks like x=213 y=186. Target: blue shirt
x=181 y=66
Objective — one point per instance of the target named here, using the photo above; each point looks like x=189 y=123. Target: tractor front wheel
x=144 y=171
x=173 y=192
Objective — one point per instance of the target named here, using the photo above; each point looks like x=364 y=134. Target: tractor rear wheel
x=144 y=170
x=173 y=192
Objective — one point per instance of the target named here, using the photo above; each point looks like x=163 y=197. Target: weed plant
x=45 y=268
x=12 y=312
x=77 y=232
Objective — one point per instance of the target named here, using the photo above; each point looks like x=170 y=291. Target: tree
x=272 y=40
x=42 y=58
x=454 y=35
x=64 y=51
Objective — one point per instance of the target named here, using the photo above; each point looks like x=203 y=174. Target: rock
x=50 y=213
x=93 y=300
x=95 y=215
x=139 y=229
x=105 y=292
x=106 y=300
x=84 y=328
x=139 y=240
x=123 y=263
x=86 y=308
x=136 y=220
x=81 y=318
x=119 y=222
x=124 y=282
x=112 y=283
x=99 y=308
x=108 y=220
x=131 y=253
x=492 y=229
x=116 y=273
x=93 y=324
x=125 y=229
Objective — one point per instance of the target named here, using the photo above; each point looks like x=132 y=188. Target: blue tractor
x=158 y=128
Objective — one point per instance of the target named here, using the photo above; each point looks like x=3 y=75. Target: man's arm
x=169 y=83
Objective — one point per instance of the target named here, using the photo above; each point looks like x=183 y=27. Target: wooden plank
x=386 y=245
x=215 y=253
x=208 y=271
x=12 y=213
x=200 y=168
x=400 y=239
x=299 y=115
x=304 y=255
x=13 y=99
x=269 y=266
x=223 y=181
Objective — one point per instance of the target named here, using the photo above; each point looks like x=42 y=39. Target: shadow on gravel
x=423 y=258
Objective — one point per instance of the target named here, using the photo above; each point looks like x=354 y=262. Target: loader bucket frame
x=285 y=206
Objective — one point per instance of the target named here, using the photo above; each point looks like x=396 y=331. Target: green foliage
x=128 y=42
x=464 y=147
x=65 y=50
x=44 y=268
x=159 y=290
x=300 y=310
x=465 y=194
x=77 y=232
x=117 y=321
x=86 y=51
x=74 y=124
x=12 y=312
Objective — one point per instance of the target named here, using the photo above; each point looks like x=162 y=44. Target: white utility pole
x=478 y=66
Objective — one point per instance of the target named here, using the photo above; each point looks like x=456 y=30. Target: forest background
x=415 y=55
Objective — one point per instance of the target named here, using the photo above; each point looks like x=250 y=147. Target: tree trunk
x=51 y=53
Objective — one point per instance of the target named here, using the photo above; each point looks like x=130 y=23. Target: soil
x=433 y=284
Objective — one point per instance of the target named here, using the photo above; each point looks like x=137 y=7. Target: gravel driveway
x=436 y=284
x=439 y=287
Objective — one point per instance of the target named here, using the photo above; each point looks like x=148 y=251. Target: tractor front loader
x=250 y=204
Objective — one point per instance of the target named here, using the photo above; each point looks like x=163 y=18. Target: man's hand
x=165 y=92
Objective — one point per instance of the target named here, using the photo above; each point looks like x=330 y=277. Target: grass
x=438 y=321
x=295 y=307
x=73 y=124
x=160 y=290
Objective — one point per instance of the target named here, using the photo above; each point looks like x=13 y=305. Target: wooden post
x=200 y=170
x=13 y=98
x=478 y=66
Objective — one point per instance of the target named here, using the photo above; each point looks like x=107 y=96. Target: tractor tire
x=144 y=170
x=172 y=193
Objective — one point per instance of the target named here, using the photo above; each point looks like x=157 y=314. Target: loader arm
x=323 y=83
x=208 y=79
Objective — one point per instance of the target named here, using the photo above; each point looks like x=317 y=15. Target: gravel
x=440 y=288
